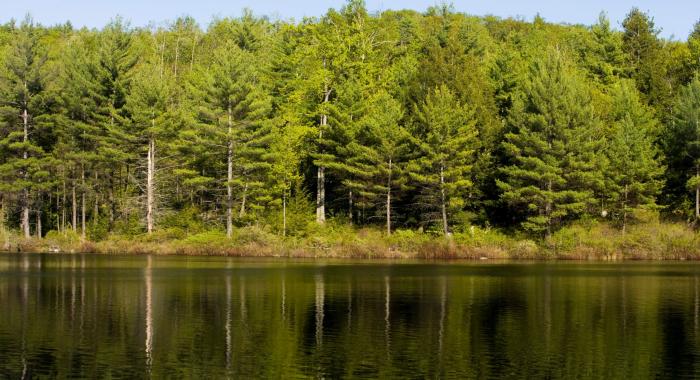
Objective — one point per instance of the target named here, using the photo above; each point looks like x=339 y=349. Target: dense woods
x=435 y=121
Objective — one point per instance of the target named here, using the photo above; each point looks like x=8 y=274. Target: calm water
x=135 y=317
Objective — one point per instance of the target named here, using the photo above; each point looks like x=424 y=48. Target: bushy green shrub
x=62 y=239
x=187 y=220
x=210 y=237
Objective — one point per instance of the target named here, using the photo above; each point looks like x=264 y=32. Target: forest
x=416 y=124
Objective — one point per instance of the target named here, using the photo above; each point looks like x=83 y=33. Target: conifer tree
x=644 y=57
x=234 y=112
x=553 y=148
x=682 y=150
x=634 y=169
x=375 y=160
x=447 y=133
x=149 y=105
x=23 y=82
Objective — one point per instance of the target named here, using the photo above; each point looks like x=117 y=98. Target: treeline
x=435 y=120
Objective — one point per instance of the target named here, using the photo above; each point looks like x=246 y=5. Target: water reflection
x=148 y=279
x=134 y=317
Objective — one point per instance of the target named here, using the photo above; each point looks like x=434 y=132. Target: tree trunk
x=443 y=201
x=38 y=224
x=350 y=200
x=74 y=225
x=229 y=179
x=388 y=201
x=112 y=206
x=25 y=174
x=548 y=209
x=82 y=202
x=64 y=202
x=150 y=186
x=624 y=210
x=284 y=213
x=96 y=213
x=320 y=196
x=245 y=193
x=177 y=56
x=320 y=175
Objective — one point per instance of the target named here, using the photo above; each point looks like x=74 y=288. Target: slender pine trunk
x=443 y=202
x=350 y=211
x=320 y=175
x=150 y=185
x=64 y=202
x=38 y=224
x=229 y=177
x=284 y=212
x=388 y=201
x=74 y=225
x=96 y=212
x=624 y=210
x=82 y=202
x=241 y=213
x=25 y=174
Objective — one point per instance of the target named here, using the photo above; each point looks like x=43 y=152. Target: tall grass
x=647 y=241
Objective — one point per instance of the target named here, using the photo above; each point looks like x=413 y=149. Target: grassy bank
x=653 y=241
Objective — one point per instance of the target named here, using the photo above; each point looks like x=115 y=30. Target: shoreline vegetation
x=600 y=242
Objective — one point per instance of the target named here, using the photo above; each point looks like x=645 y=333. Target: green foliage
x=554 y=148
x=437 y=121
x=447 y=137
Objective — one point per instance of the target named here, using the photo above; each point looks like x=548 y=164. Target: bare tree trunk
x=96 y=213
x=548 y=210
x=624 y=211
x=350 y=211
x=443 y=200
x=150 y=186
x=321 y=196
x=82 y=202
x=6 y=242
x=74 y=225
x=229 y=178
x=177 y=56
x=112 y=206
x=38 y=224
x=388 y=201
x=245 y=194
x=320 y=175
x=64 y=202
x=284 y=212
x=25 y=192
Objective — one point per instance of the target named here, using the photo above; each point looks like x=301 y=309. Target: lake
x=88 y=316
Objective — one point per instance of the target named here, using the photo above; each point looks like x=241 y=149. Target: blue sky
x=674 y=17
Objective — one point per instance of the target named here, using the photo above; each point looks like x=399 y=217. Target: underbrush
x=592 y=241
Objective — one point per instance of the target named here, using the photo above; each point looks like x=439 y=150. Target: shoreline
x=650 y=242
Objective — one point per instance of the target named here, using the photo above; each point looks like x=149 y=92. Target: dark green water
x=173 y=317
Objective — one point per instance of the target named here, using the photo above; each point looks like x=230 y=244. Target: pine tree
x=447 y=133
x=150 y=105
x=644 y=57
x=553 y=149
x=634 y=169
x=694 y=47
x=23 y=82
x=374 y=162
x=234 y=111
x=681 y=144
